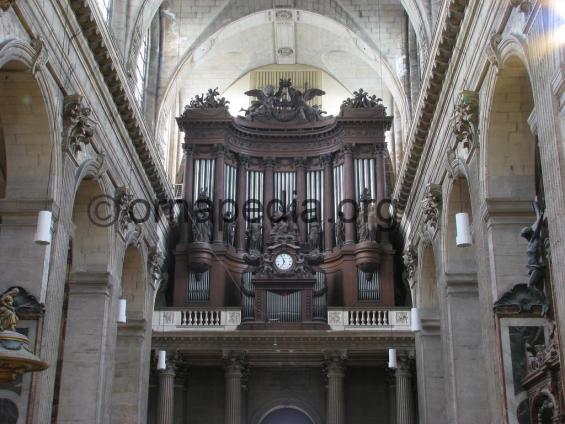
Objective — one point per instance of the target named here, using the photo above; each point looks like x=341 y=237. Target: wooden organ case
x=283 y=208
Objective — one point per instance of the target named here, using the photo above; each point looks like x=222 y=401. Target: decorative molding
x=78 y=127
x=188 y=149
x=118 y=87
x=440 y=56
x=493 y=51
x=431 y=207
x=466 y=117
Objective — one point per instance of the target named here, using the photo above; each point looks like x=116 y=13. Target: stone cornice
x=441 y=54
x=121 y=93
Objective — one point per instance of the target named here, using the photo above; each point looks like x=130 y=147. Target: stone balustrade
x=182 y=319
x=343 y=319
x=228 y=319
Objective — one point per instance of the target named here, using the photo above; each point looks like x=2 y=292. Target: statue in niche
x=340 y=230
x=314 y=236
x=201 y=224
x=363 y=228
x=536 y=267
x=8 y=317
x=254 y=234
x=284 y=228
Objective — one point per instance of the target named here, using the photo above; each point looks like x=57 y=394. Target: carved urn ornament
x=16 y=356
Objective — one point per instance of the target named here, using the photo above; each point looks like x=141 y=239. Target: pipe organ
x=284 y=271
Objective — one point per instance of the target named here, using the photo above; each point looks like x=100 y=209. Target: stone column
x=429 y=363
x=235 y=366
x=85 y=382
x=391 y=395
x=165 y=405
x=300 y=196
x=218 y=235
x=242 y=162
x=328 y=218
x=349 y=194
x=404 y=401
x=187 y=191
x=268 y=187
x=335 y=403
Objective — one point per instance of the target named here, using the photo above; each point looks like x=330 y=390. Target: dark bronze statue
x=536 y=267
x=286 y=104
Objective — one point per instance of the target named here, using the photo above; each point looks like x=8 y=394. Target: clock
x=284 y=261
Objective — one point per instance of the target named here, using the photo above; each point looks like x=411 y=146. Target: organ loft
x=284 y=257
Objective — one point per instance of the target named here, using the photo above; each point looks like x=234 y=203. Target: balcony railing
x=397 y=319
x=228 y=319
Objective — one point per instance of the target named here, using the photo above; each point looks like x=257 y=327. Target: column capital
x=220 y=150
x=347 y=149
x=235 y=363
x=299 y=162
x=268 y=162
x=404 y=365
x=334 y=363
x=242 y=160
x=326 y=160
x=188 y=149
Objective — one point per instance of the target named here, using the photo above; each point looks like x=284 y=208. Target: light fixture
x=392 y=358
x=463 y=238
x=43 y=231
x=415 y=323
x=122 y=311
x=162 y=360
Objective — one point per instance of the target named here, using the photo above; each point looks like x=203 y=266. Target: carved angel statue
x=8 y=317
x=300 y=101
x=265 y=103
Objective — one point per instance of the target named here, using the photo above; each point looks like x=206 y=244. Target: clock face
x=284 y=261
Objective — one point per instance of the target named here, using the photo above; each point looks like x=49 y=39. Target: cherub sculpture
x=8 y=317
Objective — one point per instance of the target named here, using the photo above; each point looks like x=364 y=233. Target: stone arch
x=89 y=316
x=29 y=163
x=457 y=260
x=509 y=145
x=289 y=403
x=461 y=318
x=284 y=414
x=508 y=165
x=133 y=338
x=427 y=280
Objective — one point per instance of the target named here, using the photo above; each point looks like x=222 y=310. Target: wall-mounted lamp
x=162 y=360
x=392 y=358
x=43 y=231
x=122 y=311
x=415 y=323
x=463 y=238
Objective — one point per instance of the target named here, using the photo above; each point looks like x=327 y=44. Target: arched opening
x=25 y=164
x=461 y=318
x=510 y=175
x=458 y=259
x=85 y=354
x=131 y=374
x=429 y=342
x=428 y=280
x=510 y=152
x=287 y=416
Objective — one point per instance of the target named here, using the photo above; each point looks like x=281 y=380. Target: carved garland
x=410 y=259
x=155 y=265
x=78 y=127
x=431 y=206
x=466 y=117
